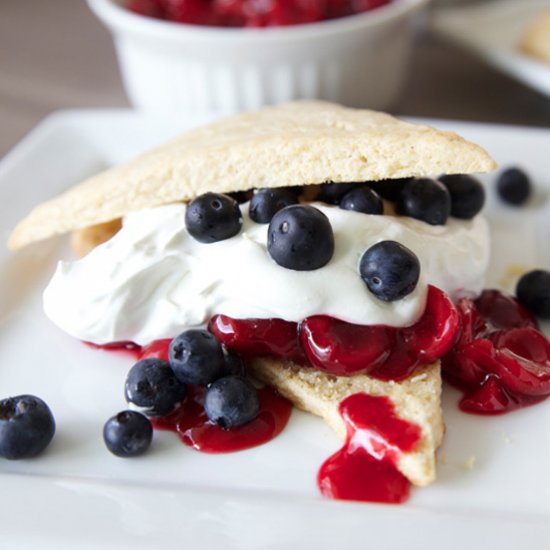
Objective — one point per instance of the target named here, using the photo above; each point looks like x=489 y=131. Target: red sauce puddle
x=195 y=430
x=364 y=468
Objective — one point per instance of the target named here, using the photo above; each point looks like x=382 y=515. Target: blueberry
x=467 y=195
x=127 y=434
x=240 y=196
x=231 y=401
x=331 y=193
x=213 y=217
x=26 y=426
x=362 y=199
x=233 y=364
x=196 y=357
x=389 y=189
x=152 y=385
x=425 y=199
x=514 y=186
x=533 y=291
x=265 y=203
x=300 y=237
x=390 y=270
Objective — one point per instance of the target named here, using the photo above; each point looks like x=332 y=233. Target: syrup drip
x=364 y=468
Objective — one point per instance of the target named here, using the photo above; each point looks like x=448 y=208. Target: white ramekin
x=359 y=60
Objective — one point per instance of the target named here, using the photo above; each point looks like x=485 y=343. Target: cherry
x=503 y=311
x=250 y=13
x=150 y=8
x=489 y=398
x=501 y=361
x=342 y=348
x=256 y=337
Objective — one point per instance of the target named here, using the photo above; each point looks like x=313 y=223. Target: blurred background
x=58 y=55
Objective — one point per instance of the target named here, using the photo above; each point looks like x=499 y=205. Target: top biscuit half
x=292 y=144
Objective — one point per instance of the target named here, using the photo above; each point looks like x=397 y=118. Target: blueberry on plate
x=331 y=193
x=265 y=203
x=390 y=270
x=26 y=426
x=196 y=357
x=127 y=434
x=533 y=291
x=362 y=199
x=152 y=385
x=300 y=237
x=467 y=195
x=231 y=401
x=213 y=217
x=514 y=186
x=424 y=199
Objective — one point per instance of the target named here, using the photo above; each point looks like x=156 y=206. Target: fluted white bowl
x=360 y=60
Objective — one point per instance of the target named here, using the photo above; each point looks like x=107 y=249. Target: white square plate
x=492 y=30
x=77 y=495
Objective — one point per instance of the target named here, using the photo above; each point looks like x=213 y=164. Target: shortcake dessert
x=319 y=243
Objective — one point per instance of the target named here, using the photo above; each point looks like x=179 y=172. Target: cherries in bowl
x=195 y=66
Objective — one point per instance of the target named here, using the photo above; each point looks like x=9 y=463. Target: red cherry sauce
x=128 y=348
x=345 y=349
x=250 y=13
x=190 y=421
x=365 y=467
x=501 y=360
x=196 y=430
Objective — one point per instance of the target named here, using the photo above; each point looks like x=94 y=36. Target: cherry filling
x=365 y=467
x=238 y=13
x=491 y=348
x=501 y=361
x=344 y=349
x=257 y=337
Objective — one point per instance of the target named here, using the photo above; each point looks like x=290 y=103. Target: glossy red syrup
x=364 y=468
x=345 y=349
x=501 y=361
x=257 y=337
x=121 y=347
x=195 y=430
x=250 y=13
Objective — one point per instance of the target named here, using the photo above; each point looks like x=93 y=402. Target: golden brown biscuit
x=85 y=240
x=416 y=399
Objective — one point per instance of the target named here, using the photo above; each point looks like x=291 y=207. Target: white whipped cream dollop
x=152 y=279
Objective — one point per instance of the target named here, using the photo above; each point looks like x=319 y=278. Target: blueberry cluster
x=158 y=388
x=429 y=200
x=300 y=237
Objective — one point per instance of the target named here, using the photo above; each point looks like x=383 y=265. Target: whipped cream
x=152 y=279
